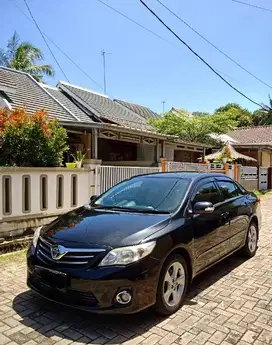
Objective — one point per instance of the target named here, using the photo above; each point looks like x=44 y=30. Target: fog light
x=123 y=297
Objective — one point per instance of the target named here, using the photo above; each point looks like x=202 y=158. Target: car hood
x=106 y=228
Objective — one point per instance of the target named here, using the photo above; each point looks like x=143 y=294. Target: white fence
x=190 y=167
x=108 y=176
x=263 y=178
x=249 y=173
x=26 y=192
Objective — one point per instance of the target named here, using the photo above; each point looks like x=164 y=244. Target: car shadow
x=46 y=319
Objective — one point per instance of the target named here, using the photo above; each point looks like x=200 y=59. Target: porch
x=115 y=146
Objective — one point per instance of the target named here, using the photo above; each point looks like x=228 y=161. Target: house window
x=44 y=192
x=26 y=193
x=74 y=188
x=6 y=196
x=60 y=191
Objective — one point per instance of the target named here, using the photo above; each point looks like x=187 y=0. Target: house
x=114 y=131
x=255 y=142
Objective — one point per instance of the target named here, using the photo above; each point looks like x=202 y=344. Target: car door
x=208 y=246
x=236 y=205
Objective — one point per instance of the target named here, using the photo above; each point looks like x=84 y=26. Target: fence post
x=163 y=164
x=93 y=166
x=226 y=168
x=235 y=172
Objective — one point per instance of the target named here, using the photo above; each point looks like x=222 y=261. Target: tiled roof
x=252 y=135
x=139 y=109
x=58 y=94
x=105 y=108
x=181 y=112
x=32 y=96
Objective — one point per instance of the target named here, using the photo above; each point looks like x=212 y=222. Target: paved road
x=229 y=304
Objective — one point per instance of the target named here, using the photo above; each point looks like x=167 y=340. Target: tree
x=241 y=116
x=263 y=117
x=30 y=140
x=23 y=56
x=194 y=129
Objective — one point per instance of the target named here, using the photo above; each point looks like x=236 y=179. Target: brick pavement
x=229 y=304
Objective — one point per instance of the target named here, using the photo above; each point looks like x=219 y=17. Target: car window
x=207 y=192
x=228 y=189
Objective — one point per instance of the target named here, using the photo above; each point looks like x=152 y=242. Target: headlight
x=36 y=236
x=127 y=255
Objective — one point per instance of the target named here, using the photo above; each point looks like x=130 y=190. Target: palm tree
x=262 y=117
x=23 y=56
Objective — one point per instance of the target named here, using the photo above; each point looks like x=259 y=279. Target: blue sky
x=142 y=68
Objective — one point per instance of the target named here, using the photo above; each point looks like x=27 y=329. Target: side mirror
x=203 y=207
x=93 y=198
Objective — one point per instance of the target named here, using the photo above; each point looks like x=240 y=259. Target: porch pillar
x=203 y=154
x=163 y=150
x=94 y=145
x=157 y=151
x=87 y=139
x=259 y=158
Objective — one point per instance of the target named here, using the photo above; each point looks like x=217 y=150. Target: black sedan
x=142 y=242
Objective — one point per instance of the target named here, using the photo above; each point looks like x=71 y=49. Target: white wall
x=17 y=174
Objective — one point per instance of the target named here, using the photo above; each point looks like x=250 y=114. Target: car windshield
x=145 y=194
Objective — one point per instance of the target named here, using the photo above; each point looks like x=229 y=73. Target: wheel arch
x=185 y=253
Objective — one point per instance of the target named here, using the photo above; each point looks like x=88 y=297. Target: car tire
x=251 y=245
x=173 y=285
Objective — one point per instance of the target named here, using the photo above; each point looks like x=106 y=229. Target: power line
x=214 y=46
x=135 y=22
x=25 y=1
x=67 y=56
x=145 y=28
x=206 y=63
x=251 y=5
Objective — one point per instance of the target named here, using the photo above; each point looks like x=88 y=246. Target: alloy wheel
x=252 y=238
x=174 y=284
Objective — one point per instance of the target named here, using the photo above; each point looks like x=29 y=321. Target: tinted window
x=146 y=193
x=207 y=192
x=228 y=189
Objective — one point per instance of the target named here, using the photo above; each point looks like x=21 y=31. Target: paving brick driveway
x=229 y=304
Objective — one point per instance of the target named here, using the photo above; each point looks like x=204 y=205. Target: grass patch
x=262 y=193
x=18 y=256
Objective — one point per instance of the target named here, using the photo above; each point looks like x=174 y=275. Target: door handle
x=225 y=215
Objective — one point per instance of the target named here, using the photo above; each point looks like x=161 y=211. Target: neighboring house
x=255 y=142
x=114 y=131
x=145 y=112
x=180 y=112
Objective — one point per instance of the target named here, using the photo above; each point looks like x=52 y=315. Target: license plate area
x=51 y=278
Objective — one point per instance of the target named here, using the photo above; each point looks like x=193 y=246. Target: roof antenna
x=103 y=53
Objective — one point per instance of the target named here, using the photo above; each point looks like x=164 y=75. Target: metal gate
x=263 y=178
x=108 y=176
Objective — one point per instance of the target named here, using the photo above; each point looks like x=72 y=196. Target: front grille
x=71 y=257
x=69 y=296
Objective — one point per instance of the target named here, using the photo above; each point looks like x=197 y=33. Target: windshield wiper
x=131 y=209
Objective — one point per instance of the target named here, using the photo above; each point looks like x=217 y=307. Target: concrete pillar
x=94 y=177
x=94 y=151
x=87 y=140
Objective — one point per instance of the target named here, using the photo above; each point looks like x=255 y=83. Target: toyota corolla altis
x=142 y=242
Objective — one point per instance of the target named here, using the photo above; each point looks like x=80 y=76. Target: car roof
x=193 y=176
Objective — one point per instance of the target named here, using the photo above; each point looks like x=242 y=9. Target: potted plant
x=79 y=158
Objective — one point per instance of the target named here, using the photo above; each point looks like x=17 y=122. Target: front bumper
x=95 y=289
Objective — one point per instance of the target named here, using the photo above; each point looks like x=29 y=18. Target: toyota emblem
x=57 y=252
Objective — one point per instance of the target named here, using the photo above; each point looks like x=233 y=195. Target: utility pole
x=103 y=53
x=163 y=103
